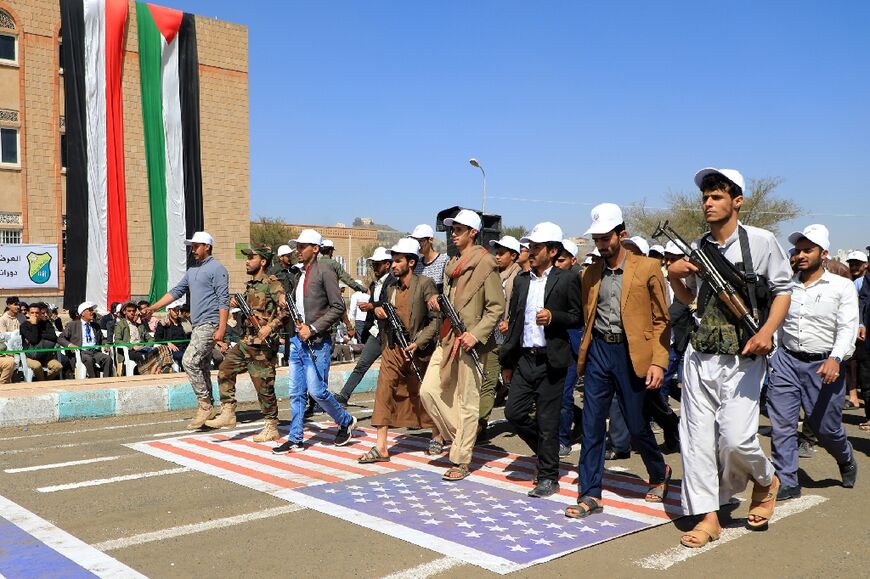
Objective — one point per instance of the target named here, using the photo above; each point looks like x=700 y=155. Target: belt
x=808 y=357
x=535 y=352
x=609 y=338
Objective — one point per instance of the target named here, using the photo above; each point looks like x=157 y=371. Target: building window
x=10 y=236
x=63 y=152
x=361 y=265
x=8 y=146
x=340 y=260
x=8 y=48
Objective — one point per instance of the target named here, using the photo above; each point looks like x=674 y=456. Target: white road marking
x=195 y=528
x=105 y=481
x=64 y=464
x=427 y=569
x=68 y=432
x=678 y=554
x=73 y=549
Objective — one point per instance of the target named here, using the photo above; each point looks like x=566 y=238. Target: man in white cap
x=318 y=299
x=725 y=367
x=857 y=262
x=357 y=314
x=682 y=325
x=451 y=386
x=326 y=252
x=624 y=350
x=397 y=397
x=858 y=367
x=536 y=354
x=523 y=259
x=571 y=417
x=656 y=251
x=208 y=283
x=637 y=245
x=86 y=333
x=818 y=334
x=283 y=270
x=431 y=263
x=507 y=251
x=380 y=262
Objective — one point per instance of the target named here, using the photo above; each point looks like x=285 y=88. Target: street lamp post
x=475 y=163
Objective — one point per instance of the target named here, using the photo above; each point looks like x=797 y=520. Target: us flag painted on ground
x=486 y=519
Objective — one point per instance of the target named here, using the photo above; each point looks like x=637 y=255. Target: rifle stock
x=459 y=329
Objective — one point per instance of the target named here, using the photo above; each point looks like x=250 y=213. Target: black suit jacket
x=562 y=298
x=370 y=315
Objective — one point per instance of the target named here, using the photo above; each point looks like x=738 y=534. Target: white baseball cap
x=465 y=217
x=639 y=242
x=587 y=261
x=732 y=175
x=605 y=218
x=544 y=232
x=857 y=256
x=176 y=304
x=594 y=253
x=524 y=245
x=672 y=248
x=200 y=237
x=422 y=231
x=817 y=233
x=508 y=242
x=284 y=250
x=381 y=254
x=405 y=245
x=657 y=248
x=86 y=305
x=570 y=247
x=308 y=236
x=327 y=243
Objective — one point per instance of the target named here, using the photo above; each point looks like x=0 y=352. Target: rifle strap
x=748 y=271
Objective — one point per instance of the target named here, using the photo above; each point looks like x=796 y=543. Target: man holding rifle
x=451 y=386
x=408 y=330
x=263 y=305
x=725 y=362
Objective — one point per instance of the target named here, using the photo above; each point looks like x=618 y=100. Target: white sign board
x=28 y=266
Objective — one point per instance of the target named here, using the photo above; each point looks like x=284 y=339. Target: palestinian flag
x=97 y=263
x=169 y=75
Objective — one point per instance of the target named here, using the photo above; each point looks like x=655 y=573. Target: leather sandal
x=762 y=505
x=657 y=493
x=592 y=504
x=455 y=473
x=435 y=448
x=373 y=455
x=703 y=533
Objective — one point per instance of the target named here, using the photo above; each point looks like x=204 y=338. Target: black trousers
x=536 y=382
x=862 y=355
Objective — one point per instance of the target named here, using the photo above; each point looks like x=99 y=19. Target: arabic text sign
x=28 y=266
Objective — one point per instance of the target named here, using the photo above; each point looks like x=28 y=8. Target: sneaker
x=288 y=446
x=544 y=488
x=564 y=450
x=786 y=493
x=806 y=449
x=344 y=433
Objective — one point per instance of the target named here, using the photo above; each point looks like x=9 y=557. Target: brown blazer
x=644 y=312
x=423 y=324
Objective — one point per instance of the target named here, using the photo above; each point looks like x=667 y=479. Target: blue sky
x=374 y=108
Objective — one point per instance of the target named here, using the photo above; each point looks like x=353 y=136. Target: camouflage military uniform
x=252 y=356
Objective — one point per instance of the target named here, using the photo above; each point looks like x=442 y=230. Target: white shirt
x=533 y=334
x=300 y=294
x=87 y=331
x=823 y=317
x=355 y=300
x=376 y=296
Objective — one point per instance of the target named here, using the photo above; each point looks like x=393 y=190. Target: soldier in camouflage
x=256 y=352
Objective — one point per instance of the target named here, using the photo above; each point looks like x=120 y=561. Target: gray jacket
x=323 y=303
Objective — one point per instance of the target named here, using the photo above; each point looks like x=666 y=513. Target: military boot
x=269 y=432
x=227 y=417
x=205 y=411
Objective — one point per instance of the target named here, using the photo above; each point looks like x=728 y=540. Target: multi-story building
x=32 y=159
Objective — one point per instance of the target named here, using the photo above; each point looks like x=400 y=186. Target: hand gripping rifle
x=251 y=319
x=459 y=329
x=724 y=289
x=297 y=318
x=399 y=331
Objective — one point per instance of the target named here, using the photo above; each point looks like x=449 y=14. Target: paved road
x=163 y=520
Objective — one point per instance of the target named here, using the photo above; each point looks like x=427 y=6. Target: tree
x=517 y=231
x=271 y=231
x=761 y=208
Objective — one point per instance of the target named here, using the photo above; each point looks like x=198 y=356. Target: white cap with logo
x=284 y=250
x=857 y=256
x=570 y=247
x=732 y=175
x=817 y=233
x=465 y=217
x=308 y=236
x=639 y=242
x=508 y=242
x=672 y=249
x=87 y=305
x=381 y=254
x=544 y=232
x=405 y=245
x=200 y=237
x=605 y=218
x=423 y=231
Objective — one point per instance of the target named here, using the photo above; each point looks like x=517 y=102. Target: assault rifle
x=297 y=318
x=459 y=329
x=251 y=319
x=721 y=286
x=399 y=332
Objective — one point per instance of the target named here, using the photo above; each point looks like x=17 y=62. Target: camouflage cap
x=263 y=251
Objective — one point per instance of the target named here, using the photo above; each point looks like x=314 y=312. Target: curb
x=99 y=398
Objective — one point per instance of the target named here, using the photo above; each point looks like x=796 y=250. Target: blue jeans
x=311 y=377
x=566 y=417
x=674 y=372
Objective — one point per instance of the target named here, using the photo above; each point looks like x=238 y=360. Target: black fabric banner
x=188 y=77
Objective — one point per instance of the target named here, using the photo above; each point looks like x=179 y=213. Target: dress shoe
x=544 y=488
